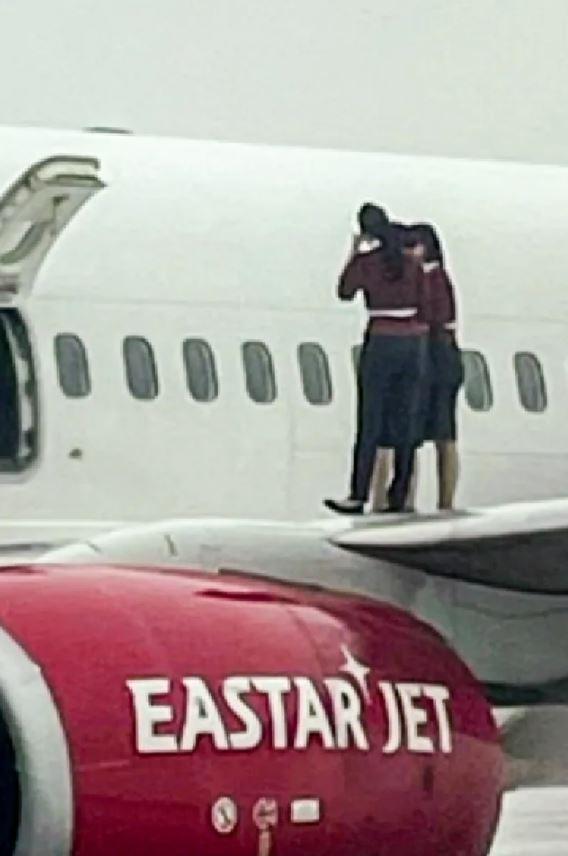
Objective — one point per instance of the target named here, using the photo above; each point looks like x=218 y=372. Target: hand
x=356 y=244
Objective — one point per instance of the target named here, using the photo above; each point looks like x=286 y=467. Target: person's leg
x=410 y=504
x=410 y=391
x=448 y=473
x=373 y=379
x=450 y=375
x=358 y=419
x=403 y=465
x=374 y=383
x=381 y=477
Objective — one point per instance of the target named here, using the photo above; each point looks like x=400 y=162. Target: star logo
x=357 y=671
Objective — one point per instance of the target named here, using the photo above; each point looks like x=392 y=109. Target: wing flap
x=521 y=546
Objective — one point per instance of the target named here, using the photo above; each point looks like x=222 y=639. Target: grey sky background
x=475 y=78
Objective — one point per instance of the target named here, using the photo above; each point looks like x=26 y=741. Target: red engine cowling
x=177 y=713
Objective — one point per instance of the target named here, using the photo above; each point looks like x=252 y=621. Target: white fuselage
x=231 y=243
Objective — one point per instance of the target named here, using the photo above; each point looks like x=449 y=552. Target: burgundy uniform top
x=439 y=305
x=395 y=305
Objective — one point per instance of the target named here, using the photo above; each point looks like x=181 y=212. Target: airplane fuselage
x=227 y=245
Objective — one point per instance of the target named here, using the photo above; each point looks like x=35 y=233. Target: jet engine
x=162 y=712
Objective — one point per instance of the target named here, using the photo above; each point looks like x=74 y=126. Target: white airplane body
x=171 y=346
x=229 y=244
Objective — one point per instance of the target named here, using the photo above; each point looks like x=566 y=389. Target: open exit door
x=34 y=211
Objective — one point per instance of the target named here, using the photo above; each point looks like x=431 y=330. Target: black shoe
x=345 y=506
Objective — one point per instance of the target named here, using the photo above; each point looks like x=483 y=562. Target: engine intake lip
x=35 y=741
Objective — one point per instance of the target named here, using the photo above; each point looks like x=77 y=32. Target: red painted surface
x=92 y=630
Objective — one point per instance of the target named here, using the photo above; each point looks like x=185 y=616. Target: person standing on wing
x=393 y=363
x=446 y=368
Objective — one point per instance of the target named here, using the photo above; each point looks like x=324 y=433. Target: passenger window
x=530 y=382
x=140 y=366
x=477 y=381
x=314 y=369
x=200 y=370
x=259 y=372
x=72 y=365
x=356 y=357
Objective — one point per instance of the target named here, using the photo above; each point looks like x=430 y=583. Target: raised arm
x=352 y=277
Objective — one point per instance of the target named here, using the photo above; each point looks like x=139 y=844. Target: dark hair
x=425 y=234
x=375 y=222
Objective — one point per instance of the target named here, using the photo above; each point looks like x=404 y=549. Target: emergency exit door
x=34 y=211
x=19 y=428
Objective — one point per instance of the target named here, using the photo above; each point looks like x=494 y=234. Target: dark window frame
x=485 y=375
x=325 y=379
x=257 y=346
x=191 y=382
x=527 y=358
x=80 y=387
x=127 y=342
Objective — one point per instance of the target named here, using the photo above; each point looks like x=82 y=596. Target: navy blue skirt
x=445 y=379
x=435 y=420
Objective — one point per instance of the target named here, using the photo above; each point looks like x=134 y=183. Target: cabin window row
x=200 y=370
x=529 y=377
x=260 y=377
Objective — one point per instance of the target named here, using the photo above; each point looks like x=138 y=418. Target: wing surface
x=521 y=546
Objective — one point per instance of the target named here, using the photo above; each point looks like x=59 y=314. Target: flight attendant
x=446 y=369
x=393 y=359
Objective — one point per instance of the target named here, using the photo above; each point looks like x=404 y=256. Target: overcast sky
x=480 y=78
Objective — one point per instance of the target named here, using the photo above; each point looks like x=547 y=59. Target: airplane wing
x=27 y=540
x=521 y=547
x=535 y=746
x=512 y=629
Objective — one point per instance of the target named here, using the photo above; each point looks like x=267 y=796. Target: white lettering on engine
x=406 y=718
x=149 y=714
x=330 y=714
x=202 y=717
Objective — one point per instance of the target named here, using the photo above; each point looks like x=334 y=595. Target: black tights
x=391 y=380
